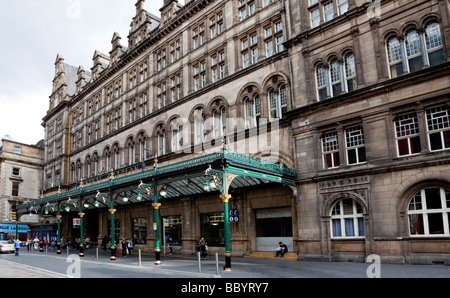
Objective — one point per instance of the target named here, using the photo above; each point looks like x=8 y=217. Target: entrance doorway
x=272 y=226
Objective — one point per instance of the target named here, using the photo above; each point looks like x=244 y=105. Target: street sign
x=233 y=215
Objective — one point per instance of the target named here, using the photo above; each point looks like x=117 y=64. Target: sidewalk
x=187 y=266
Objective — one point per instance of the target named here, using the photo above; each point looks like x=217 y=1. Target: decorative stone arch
x=273 y=85
x=159 y=130
x=87 y=166
x=130 y=148
x=404 y=192
x=329 y=202
x=412 y=24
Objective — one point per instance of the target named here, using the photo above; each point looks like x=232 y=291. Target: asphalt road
x=70 y=265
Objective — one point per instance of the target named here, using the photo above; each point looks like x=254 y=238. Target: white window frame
x=418 y=206
x=337 y=213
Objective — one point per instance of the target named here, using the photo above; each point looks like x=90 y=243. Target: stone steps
x=290 y=256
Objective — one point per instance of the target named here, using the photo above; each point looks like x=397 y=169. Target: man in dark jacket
x=282 y=249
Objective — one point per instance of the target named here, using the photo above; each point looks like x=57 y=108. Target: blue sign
x=11 y=228
x=233 y=215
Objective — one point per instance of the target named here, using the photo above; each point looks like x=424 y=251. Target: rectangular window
x=330 y=150
x=314 y=16
x=15 y=189
x=17 y=150
x=139 y=230
x=328 y=11
x=16 y=172
x=173 y=226
x=407 y=135
x=438 y=125
x=356 y=151
x=212 y=228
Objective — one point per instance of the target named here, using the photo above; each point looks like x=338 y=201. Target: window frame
x=331 y=150
x=407 y=131
x=342 y=218
x=420 y=203
x=443 y=128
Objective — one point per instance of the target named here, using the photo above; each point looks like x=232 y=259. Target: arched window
x=413 y=50
x=429 y=212
x=142 y=146
x=336 y=78
x=321 y=82
x=219 y=122
x=176 y=134
x=277 y=102
x=394 y=53
x=199 y=126
x=96 y=167
x=252 y=111
x=433 y=40
x=74 y=175
x=116 y=151
x=107 y=158
x=347 y=219
x=88 y=167
x=350 y=72
x=161 y=140
x=131 y=151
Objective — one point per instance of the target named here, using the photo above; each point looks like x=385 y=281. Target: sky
x=32 y=33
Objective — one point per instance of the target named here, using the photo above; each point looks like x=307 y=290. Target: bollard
x=140 y=260
x=96 y=253
x=217 y=263
x=199 y=263
x=67 y=248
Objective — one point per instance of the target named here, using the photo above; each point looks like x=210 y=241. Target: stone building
x=334 y=116
x=20 y=176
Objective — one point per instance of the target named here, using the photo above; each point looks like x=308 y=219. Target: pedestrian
x=16 y=246
x=104 y=242
x=130 y=246
x=124 y=248
x=170 y=245
x=203 y=249
x=282 y=249
x=36 y=243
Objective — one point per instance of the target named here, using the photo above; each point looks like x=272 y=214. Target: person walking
x=124 y=248
x=130 y=246
x=104 y=242
x=17 y=247
x=170 y=245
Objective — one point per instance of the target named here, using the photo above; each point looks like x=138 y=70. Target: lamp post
x=108 y=198
x=221 y=179
x=58 y=217
x=155 y=191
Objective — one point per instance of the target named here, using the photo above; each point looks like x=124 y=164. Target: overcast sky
x=32 y=33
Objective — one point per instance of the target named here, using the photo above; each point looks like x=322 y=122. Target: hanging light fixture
x=67 y=208
x=86 y=205
x=163 y=193
x=139 y=197
x=206 y=186
x=125 y=199
x=96 y=204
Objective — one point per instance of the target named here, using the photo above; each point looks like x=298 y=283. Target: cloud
x=33 y=33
